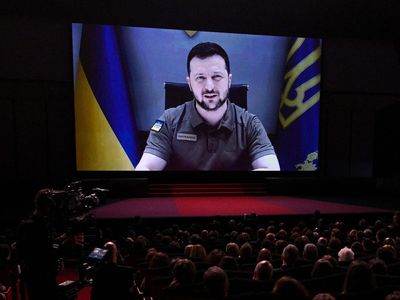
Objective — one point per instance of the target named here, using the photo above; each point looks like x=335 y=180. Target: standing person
x=112 y=280
x=210 y=132
x=36 y=239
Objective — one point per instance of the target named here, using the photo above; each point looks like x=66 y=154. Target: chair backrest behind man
x=177 y=93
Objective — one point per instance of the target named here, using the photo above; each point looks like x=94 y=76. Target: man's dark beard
x=205 y=106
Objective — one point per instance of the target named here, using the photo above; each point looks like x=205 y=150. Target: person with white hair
x=345 y=255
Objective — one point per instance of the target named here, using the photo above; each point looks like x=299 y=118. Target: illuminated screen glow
x=119 y=75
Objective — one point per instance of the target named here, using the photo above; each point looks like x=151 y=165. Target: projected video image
x=149 y=99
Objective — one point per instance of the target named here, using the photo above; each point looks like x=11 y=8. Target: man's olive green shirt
x=184 y=139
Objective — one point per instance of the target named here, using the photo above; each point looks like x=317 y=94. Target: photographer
x=38 y=248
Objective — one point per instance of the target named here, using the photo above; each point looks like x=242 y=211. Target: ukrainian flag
x=106 y=135
x=296 y=144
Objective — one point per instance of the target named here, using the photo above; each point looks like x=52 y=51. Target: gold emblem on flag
x=309 y=164
x=299 y=104
x=190 y=33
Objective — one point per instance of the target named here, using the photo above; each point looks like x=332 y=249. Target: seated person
x=263 y=272
x=322 y=267
x=184 y=272
x=359 y=279
x=290 y=256
x=290 y=288
x=216 y=283
x=209 y=132
x=345 y=256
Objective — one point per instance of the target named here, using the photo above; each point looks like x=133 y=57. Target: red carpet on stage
x=223 y=206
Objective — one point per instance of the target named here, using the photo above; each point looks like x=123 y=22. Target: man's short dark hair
x=208 y=49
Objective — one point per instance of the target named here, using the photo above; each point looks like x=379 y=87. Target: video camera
x=69 y=289
x=73 y=205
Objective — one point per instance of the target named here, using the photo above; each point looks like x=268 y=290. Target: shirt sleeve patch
x=157 y=125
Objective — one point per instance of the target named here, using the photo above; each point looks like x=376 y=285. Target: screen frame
x=167 y=176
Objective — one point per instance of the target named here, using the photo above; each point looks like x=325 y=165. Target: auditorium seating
x=154 y=283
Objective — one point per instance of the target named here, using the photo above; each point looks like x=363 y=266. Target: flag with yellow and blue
x=297 y=137
x=106 y=135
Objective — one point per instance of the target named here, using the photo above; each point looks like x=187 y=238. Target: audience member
x=310 y=252
x=393 y=296
x=380 y=237
x=271 y=236
x=198 y=252
x=352 y=236
x=362 y=224
x=334 y=245
x=261 y=235
x=3 y=291
x=204 y=234
x=269 y=244
x=359 y=278
x=242 y=238
x=140 y=246
x=263 y=271
x=215 y=256
x=216 y=283
x=389 y=241
x=149 y=255
x=290 y=255
x=322 y=245
x=369 y=246
x=321 y=267
x=279 y=246
x=246 y=254
x=245 y=251
x=126 y=251
x=357 y=249
x=395 y=226
x=290 y=288
x=345 y=256
x=300 y=243
x=387 y=253
x=264 y=254
x=213 y=241
x=232 y=249
x=333 y=261
x=159 y=260
x=378 y=266
x=187 y=249
x=184 y=272
x=281 y=235
x=323 y=296
x=229 y=263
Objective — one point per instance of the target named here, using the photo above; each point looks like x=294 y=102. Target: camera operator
x=37 y=248
x=112 y=280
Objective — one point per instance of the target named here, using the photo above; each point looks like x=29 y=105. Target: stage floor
x=195 y=206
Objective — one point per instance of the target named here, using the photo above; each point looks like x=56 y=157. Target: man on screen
x=210 y=132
